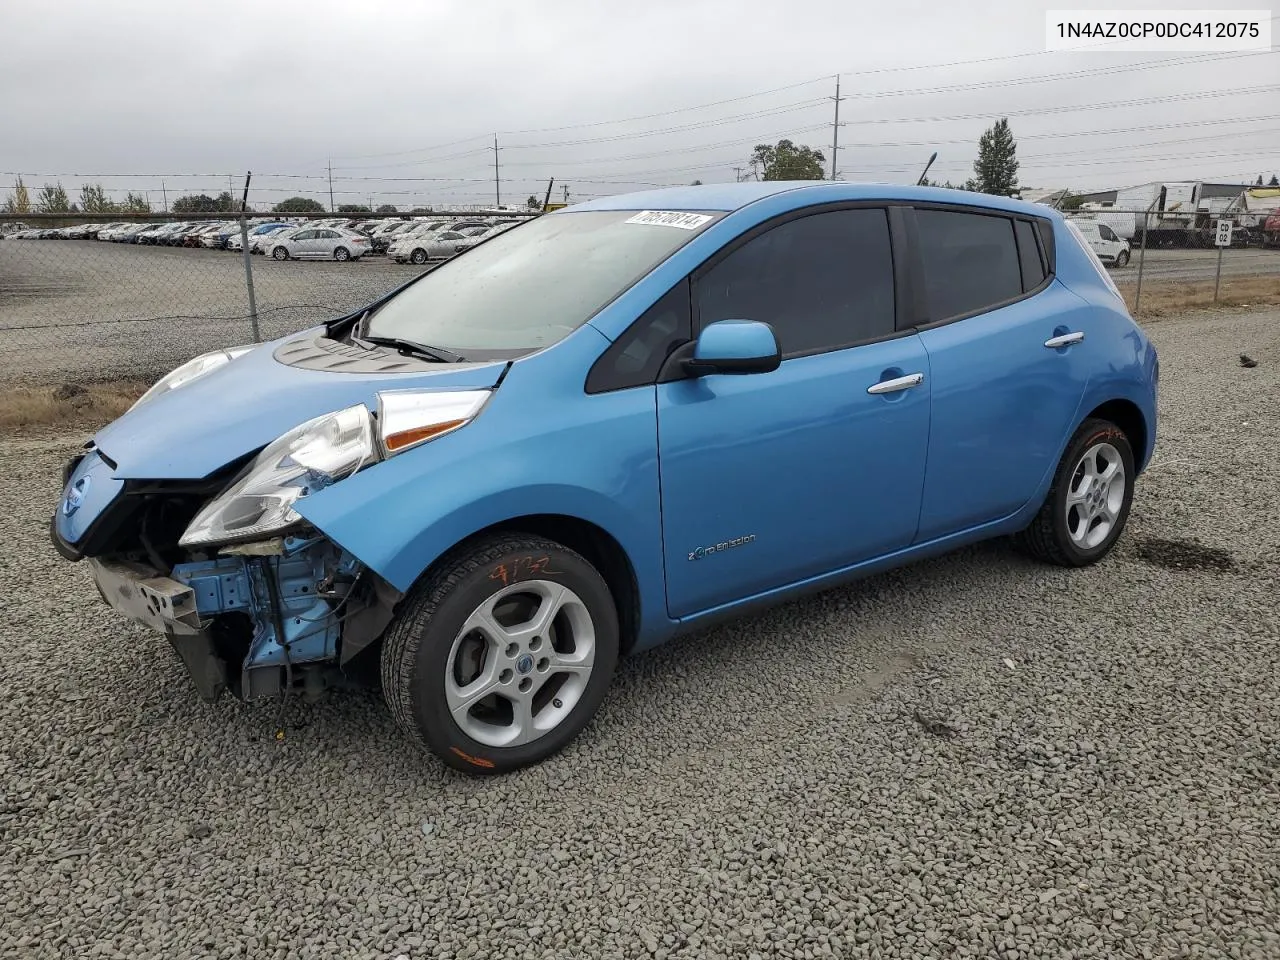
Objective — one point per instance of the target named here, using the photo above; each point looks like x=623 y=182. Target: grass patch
x=1161 y=299
x=81 y=405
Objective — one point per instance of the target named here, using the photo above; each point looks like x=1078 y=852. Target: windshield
x=526 y=289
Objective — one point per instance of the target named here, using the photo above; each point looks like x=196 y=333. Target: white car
x=319 y=243
x=410 y=246
x=259 y=242
x=1102 y=240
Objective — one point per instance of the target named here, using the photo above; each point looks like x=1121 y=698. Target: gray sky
x=416 y=90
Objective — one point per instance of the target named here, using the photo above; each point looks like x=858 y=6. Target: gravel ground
x=126 y=311
x=975 y=756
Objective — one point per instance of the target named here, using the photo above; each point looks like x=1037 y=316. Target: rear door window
x=970 y=261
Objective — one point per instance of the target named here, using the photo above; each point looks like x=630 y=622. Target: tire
x=279 y=253
x=426 y=653
x=1071 y=534
x=342 y=254
x=419 y=256
x=1122 y=258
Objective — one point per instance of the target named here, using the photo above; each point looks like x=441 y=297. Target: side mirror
x=734 y=346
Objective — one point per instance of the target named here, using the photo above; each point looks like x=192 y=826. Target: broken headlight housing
x=321 y=452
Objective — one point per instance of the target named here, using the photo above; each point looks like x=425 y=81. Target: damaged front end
x=254 y=617
x=253 y=598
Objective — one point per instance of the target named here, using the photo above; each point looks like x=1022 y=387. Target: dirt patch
x=1184 y=555
x=1162 y=299
x=69 y=405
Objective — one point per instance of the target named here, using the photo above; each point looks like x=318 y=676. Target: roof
x=733 y=196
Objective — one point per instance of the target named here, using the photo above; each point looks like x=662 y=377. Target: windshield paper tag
x=665 y=218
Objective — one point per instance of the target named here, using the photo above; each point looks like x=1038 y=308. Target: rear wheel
x=279 y=253
x=342 y=254
x=418 y=256
x=1122 y=258
x=1088 y=504
x=501 y=657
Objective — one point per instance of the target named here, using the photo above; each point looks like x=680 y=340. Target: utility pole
x=835 y=128
x=737 y=174
x=566 y=193
x=331 y=186
x=165 y=195
x=497 y=190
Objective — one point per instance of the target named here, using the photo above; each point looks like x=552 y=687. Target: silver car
x=319 y=243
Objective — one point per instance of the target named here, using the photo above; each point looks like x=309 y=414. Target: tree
x=996 y=169
x=135 y=203
x=1274 y=182
x=353 y=208
x=696 y=183
x=786 y=161
x=533 y=203
x=195 y=203
x=1258 y=182
x=20 y=201
x=387 y=208
x=53 y=199
x=225 y=202
x=94 y=199
x=298 y=205
x=1071 y=201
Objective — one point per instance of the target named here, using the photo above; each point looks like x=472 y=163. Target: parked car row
x=340 y=238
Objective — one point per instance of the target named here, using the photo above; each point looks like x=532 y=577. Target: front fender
x=541 y=446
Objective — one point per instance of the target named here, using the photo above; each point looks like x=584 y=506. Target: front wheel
x=1122 y=258
x=500 y=657
x=1089 y=502
x=279 y=253
x=342 y=254
x=418 y=256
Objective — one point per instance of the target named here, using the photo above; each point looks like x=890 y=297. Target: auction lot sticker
x=667 y=218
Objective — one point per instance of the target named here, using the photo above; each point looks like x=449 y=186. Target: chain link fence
x=120 y=297
x=1165 y=262
x=99 y=299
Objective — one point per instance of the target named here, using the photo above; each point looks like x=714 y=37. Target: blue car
x=615 y=423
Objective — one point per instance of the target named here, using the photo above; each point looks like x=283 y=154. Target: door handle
x=1066 y=340
x=896 y=384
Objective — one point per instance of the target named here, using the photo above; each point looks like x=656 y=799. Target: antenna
x=933 y=157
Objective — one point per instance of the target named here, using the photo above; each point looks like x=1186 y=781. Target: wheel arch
x=1126 y=415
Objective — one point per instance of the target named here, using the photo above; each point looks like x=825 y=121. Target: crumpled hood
x=242 y=406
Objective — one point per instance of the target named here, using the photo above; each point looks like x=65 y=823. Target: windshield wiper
x=438 y=354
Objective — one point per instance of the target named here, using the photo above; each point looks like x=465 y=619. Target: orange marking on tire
x=475 y=761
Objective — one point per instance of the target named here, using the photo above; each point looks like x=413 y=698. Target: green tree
x=353 y=208
x=135 y=203
x=696 y=183
x=1071 y=201
x=1258 y=182
x=996 y=169
x=195 y=203
x=298 y=205
x=1274 y=181
x=19 y=201
x=225 y=202
x=786 y=161
x=533 y=203
x=387 y=208
x=53 y=199
x=94 y=199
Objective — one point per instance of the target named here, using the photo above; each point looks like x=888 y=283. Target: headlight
x=192 y=370
x=308 y=458
x=323 y=451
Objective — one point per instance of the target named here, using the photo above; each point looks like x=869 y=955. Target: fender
x=594 y=461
